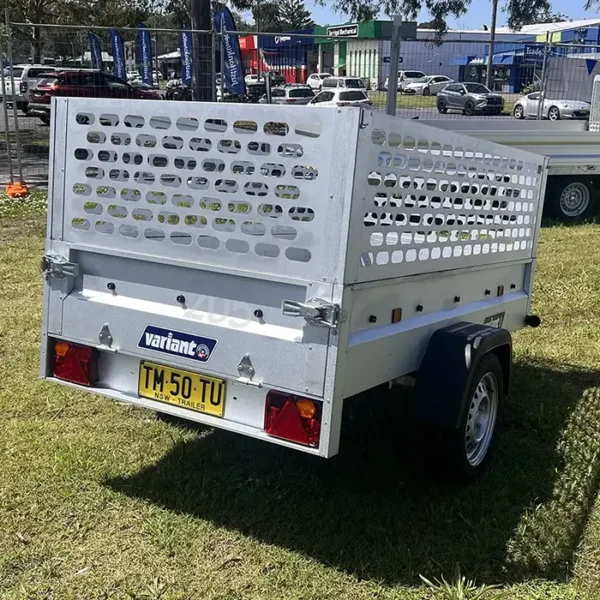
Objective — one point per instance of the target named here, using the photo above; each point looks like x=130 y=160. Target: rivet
x=258 y=313
x=372 y=319
x=181 y=299
x=111 y=286
x=456 y=298
x=487 y=292
x=419 y=308
x=513 y=286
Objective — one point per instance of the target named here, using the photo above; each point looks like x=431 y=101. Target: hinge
x=316 y=311
x=247 y=372
x=57 y=266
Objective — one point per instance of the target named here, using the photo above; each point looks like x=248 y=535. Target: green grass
x=99 y=500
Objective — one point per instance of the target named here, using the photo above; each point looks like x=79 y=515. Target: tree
x=294 y=15
x=519 y=11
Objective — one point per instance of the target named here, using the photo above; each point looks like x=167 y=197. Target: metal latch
x=58 y=266
x=316 y=311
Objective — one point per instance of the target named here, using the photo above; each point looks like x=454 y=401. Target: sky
x=479 y=13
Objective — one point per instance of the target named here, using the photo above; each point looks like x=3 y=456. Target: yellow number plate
x=182 y=388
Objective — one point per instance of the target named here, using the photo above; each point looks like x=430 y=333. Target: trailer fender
x=447 y=367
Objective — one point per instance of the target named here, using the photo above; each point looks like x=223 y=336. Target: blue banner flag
x=118 y=55
x=145 y=54
x=95 y=51
x=233 y=71
x=185 y=49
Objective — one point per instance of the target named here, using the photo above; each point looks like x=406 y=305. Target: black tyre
x=554 y=113
x=466 y=450
x=442 y=108
x=518 y=112
x=45 y=119
x=469 y=108
x=570 y=199
x=426 y=92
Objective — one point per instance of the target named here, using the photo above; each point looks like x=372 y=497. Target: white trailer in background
x=254 y=268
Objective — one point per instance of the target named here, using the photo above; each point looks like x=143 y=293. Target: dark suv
x=469 y=98
x=81 y=84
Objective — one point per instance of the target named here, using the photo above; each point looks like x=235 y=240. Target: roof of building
x=538 y=28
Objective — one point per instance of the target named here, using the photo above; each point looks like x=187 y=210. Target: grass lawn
x=99 y=500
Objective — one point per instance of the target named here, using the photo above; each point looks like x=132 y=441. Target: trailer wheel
x=570 y=198
x=466 y=449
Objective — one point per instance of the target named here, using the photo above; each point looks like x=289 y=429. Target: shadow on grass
x=378 y=516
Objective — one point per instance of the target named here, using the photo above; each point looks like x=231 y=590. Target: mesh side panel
x=435 y=200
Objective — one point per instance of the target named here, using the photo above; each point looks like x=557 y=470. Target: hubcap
x=553 y=114
x=518 y=112
x=481 y=419
x=574 y=199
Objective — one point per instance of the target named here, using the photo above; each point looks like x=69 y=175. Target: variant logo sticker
x=177 y=343
x=494 y=320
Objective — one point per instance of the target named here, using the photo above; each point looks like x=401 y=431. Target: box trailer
x=255 y=268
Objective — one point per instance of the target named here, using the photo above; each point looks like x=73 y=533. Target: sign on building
x=533 y=54
x=343 y=31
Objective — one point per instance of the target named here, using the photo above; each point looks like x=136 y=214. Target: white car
x=405 y=78
x=26 y=77
x=251 y=78
x=341 y=97
x=315 y=81
x=527 y=108
x=429 y=86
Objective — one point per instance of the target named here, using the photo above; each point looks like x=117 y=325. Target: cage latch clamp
x=316 y=311
x=58 y=266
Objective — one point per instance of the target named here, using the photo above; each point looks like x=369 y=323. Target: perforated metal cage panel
x=312 y=193
x=245 y=187
x=435 y=200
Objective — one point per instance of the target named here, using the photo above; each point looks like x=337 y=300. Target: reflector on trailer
x=293 y=418
x=74 y=363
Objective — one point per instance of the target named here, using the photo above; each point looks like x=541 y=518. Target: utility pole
x=490 y=65
x=201 y=48
x=257 y=40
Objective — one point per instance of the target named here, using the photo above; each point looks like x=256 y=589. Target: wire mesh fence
x=436 y=80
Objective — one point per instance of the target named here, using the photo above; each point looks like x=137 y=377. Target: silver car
x=290 y=94
x=527 y=108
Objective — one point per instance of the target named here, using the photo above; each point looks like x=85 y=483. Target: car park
x=469 y=98
x=315 y=81
x=405 y=78
x=528 y=107
x=341 y=97
x=429 y=86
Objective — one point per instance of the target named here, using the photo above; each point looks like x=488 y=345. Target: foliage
x=462 y=588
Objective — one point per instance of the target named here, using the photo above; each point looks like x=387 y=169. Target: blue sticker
x=177 y=343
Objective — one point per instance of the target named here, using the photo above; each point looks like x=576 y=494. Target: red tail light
x=74 y=363
x=23 y=87
x=293 y=418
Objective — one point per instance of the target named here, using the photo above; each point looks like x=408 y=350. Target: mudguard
x=446 y=371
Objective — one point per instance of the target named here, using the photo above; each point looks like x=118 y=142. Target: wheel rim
x=553 y=114
x=481 y=419
x=468 y=109
x=518 y=112
x=574 y=199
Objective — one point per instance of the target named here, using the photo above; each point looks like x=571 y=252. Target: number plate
x=182 y=388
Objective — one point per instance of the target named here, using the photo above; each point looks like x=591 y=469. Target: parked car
x=251 y=78
x=290 y=94
x=430 y=86
x=175 y=90
x=343 y=82
x=527 y=108
x=276 y=78
x=81 y=83
x=341 y=97
x=469 y=98
x=405 y=78
x=315 y=81
x=25 y=77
